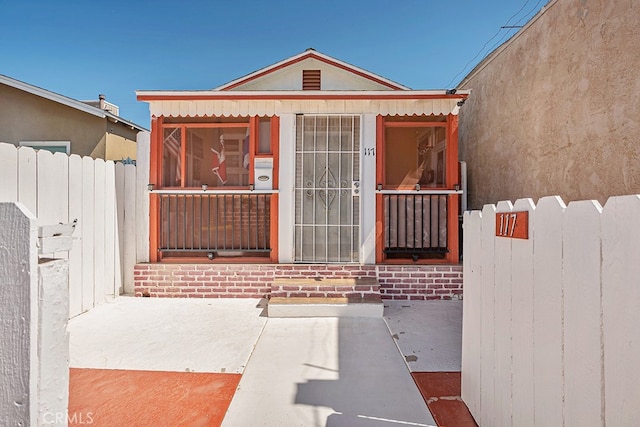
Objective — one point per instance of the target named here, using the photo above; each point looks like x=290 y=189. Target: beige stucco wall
x=27 y=117
x=119 y=148
x=557 y=109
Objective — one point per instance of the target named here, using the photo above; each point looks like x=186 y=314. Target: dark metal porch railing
x=415 y=225
x=214 y=223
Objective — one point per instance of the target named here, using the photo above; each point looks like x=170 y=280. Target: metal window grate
x=215 y=222
x=415 y=225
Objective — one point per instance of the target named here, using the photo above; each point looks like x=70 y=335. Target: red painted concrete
x=102 y=397
x=441 y=392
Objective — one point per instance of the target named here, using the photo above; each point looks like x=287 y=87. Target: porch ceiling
x=195 y=104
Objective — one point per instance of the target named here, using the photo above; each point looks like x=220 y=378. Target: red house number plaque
x=512 y=224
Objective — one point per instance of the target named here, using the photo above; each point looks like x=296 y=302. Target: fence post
x=34 y=308
x=19 y=314
x=53 y=342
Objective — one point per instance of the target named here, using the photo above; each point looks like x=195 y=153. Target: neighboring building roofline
x=312 y=53
x=52 y=96
x=64 y=100
x=498 y=50
x=117 y=119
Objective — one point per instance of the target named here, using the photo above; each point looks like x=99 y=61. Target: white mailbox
x=263 y=173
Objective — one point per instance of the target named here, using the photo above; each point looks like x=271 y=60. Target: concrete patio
x=147 y=361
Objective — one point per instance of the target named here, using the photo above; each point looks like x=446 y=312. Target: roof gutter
x=293 y=95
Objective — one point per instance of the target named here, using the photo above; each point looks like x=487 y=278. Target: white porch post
x=286 y=179
x=368 y=190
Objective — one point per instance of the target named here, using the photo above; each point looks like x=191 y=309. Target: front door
x=327 y=189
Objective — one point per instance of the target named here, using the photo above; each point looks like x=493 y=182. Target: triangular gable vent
x=310 y=79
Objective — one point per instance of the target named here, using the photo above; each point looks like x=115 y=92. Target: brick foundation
x=398 y=282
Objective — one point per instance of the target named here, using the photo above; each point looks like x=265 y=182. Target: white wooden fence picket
x=27 y=179
x=472 y=314
x=620 y=303
x=57 y=188
x=547 y=312
x=503 y=325
x=550 y=335
x=582 y=318
x=522 y=322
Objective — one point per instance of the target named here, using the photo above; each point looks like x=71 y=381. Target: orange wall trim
x=453 y=172
x=273 y=226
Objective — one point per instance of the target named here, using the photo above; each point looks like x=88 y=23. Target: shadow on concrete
x=374 y=386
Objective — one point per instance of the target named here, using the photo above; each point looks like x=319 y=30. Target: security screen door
x=327 y=189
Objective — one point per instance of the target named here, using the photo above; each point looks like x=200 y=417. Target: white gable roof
x=287 y=75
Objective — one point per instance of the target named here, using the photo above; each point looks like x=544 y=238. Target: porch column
x=286 y=185
x=368 y=189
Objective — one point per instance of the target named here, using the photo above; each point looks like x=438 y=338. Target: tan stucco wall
x=119 y=148
x=557 y=109
x=27 y=117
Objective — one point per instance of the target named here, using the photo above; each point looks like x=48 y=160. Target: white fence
x=57 y=188
x=551 y=324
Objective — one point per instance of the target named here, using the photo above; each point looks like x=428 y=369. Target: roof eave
x=143 y=95
x=52 y=96
x=118 y=119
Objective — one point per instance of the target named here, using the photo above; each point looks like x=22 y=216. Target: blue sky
x=80 y=48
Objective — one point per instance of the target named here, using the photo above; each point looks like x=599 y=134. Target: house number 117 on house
x=369 y=152
x=512 y=224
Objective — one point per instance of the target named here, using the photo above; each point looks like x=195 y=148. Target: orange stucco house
x=310 y=167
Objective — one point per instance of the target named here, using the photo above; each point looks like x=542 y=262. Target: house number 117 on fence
x=512 y=224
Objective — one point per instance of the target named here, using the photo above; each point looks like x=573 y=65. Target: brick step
x=327 y=288
x=325 y=298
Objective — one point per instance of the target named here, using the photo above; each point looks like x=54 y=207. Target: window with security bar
x=415 y=222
